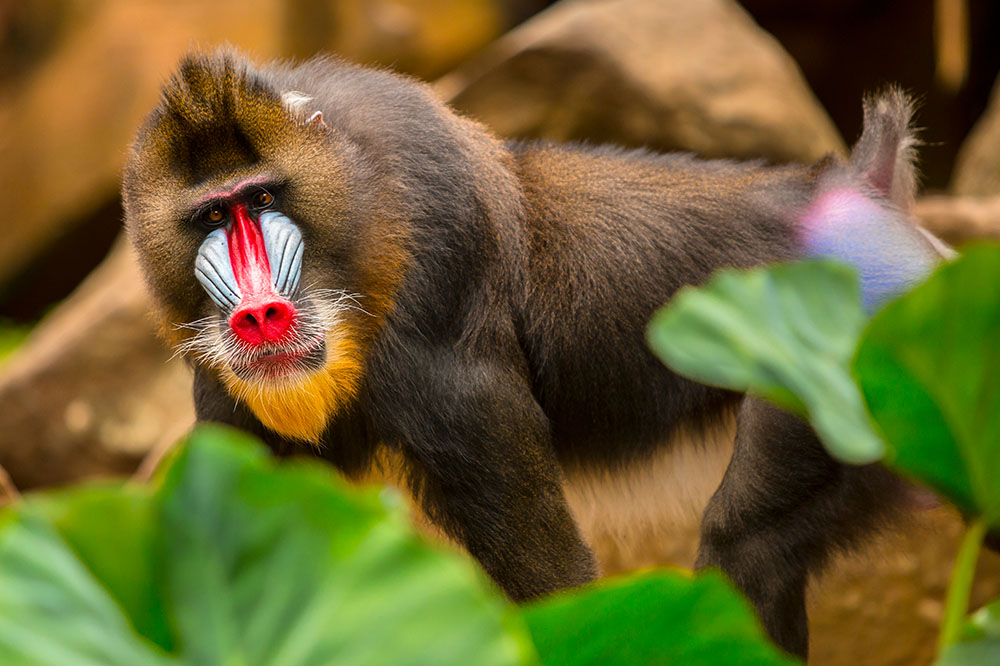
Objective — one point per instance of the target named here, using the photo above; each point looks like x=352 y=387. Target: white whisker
x=214 y=344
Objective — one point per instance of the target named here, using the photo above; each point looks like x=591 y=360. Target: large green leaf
x=122 y=520
x=235 y=560
x=53 y=610
x=929 y=366
x=649 y=619
x=784 y=332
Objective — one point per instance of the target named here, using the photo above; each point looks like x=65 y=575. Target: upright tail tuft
x=885 y=154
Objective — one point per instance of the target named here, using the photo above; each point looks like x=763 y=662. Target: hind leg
x=783 y=507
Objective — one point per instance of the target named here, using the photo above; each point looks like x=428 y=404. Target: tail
x=885 y=155
x=860 y=214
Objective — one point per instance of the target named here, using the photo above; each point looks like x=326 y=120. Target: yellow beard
x=301 y=408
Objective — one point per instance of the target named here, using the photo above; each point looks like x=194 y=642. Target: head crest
x=217 y=111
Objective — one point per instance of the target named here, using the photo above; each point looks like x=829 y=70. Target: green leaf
x=123 y=520
x=364 y=589
x=236 y=560
x=652 y=618
x=985 y=622
x=785 y=332
x=53 y=610
x=929 y=367
x=981 y=643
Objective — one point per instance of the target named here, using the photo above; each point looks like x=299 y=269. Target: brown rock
x=977 y=168
x=668 y=74
x=65 y=126
x=958 y=220
x=422 y=38
x=93 y=389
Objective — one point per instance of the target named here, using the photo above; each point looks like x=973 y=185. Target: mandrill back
x=612 y=234
x=351 y=266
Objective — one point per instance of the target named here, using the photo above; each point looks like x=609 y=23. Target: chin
x=283 y=364
x=297 y=397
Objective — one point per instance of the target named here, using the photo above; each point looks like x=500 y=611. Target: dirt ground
x=878 y=607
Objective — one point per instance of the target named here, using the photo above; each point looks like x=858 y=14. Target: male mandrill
x=353 y=268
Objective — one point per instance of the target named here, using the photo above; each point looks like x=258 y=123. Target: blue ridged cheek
x=214 y=271
x=284 y=245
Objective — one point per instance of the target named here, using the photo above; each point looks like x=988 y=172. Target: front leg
x=482 y=466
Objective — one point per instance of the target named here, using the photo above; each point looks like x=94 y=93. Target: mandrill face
x=264 y=240
x=263 y=330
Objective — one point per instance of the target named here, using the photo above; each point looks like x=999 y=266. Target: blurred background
x=86 y=387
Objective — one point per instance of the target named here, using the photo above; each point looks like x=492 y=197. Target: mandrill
x=355 y=270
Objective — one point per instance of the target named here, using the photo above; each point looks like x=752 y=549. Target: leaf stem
x=960 y=587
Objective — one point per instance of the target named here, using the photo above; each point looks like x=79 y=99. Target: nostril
x=263 y=322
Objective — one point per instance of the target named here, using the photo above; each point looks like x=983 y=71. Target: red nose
x=268 y=320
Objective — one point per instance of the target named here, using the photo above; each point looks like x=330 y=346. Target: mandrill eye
x=213 y=217
x=262 y=199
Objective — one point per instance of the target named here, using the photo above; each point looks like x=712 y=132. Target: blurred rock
x=668 y=74
x=92 y=389
x=958 y=220
x=66 y=123
x=977 y=169
x=847 y=48
x=422 y=38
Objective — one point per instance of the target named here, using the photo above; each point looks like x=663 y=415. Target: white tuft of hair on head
x=295 y=100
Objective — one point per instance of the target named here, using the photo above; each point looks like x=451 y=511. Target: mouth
x=283 y=361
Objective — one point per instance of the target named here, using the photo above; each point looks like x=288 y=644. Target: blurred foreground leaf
x=651 y=619
x=235 y=560
x=785 y=332
x=929 y=366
